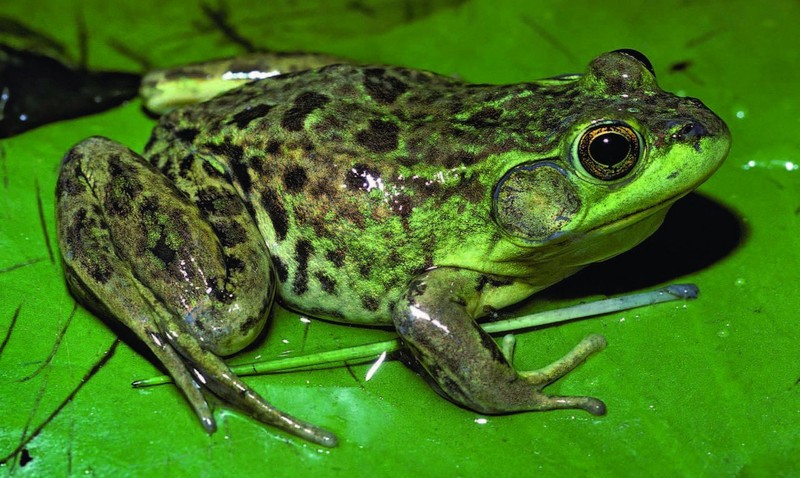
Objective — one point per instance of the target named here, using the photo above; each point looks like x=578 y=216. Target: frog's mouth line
x=566 y=243
x=634 y=217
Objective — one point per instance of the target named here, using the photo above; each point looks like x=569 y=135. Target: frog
x=379 y=196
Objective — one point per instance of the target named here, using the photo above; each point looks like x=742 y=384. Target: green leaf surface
x=706 y=388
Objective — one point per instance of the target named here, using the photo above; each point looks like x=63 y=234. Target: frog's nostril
x=690 y=130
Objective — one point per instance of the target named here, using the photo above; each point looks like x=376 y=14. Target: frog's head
x=625 y=151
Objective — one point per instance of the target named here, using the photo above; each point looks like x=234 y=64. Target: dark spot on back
x=302 y=250
x=455 y=106
x=280 y=268
x=295 y=179
x=234 y=155
x=380 y=137
x=382 y=87
x=370 y=303
x=242 y=173
x=186 y=135
x=277 y=214
x=273 y=146
x=356 y=177
x=304 y=105
x=247 y=115
x=336 y=257
x=327 y=283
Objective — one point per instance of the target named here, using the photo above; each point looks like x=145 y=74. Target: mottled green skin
x=380 y=195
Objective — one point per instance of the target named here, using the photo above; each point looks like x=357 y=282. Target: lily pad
x=705 y=388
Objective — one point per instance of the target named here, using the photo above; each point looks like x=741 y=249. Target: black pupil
x=609 y=148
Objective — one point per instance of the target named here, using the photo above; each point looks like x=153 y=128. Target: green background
x=706 y=388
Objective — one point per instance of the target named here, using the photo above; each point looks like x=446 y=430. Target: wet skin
x=376 y=195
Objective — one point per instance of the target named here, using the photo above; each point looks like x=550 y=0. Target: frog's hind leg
x=99 y=278
x=435 y=321
x=187 y=284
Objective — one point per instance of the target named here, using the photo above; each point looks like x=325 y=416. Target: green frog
x=376 y=195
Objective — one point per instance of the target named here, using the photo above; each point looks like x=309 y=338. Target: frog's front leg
x=435 y=320
x=192 y=285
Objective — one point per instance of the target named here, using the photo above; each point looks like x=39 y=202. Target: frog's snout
x=700 y=122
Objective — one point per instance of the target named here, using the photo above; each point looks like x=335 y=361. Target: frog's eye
x=638 y=56
x=609 y=151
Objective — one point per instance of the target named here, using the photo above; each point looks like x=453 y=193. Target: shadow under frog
x=671 y=252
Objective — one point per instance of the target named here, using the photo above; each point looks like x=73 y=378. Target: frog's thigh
x=465 y=362
x=209 y=269
x=190 y=285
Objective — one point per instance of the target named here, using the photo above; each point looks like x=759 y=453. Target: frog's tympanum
x=376 y=195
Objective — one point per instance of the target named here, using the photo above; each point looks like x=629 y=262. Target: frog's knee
x=405 y=318
x=401 y=321
x=92 y=147
x=225 y=329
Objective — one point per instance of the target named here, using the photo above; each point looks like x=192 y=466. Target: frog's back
x=359 y=177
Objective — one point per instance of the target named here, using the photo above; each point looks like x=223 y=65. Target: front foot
x=547 y=375
x=470 y=369
x=544 y=376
